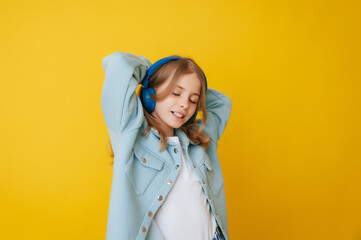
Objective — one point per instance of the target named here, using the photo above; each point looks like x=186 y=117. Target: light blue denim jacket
x=143 y=176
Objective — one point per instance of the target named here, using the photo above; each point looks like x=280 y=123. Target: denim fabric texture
x=218 y=234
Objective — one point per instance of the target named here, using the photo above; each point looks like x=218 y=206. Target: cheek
x=161 y=107
x=194 y=107
x=167 y=103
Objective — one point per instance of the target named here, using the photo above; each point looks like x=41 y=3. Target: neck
x=170 y=132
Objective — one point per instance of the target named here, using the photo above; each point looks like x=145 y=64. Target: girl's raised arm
x=121 y=107
x=219 y=108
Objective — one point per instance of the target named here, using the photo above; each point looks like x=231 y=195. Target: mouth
x=178 y=115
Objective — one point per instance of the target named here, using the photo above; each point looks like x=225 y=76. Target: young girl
x=167 y=180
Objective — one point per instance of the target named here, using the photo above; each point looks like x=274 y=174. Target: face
x=179 y=106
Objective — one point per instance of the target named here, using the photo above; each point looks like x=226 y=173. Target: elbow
x=116 y=59
x=228 y=102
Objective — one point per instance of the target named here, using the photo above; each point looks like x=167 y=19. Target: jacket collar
x=152 y=142
x=178 y=132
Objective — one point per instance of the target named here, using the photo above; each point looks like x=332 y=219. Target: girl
x=167 y=180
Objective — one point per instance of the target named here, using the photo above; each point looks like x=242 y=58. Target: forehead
x=189 y=82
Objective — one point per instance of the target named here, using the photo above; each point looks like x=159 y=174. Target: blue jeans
x=218 y=234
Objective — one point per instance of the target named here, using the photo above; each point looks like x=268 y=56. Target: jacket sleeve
x=121 y=107
x=219 y=108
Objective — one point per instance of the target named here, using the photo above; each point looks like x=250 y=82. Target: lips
x=178 y=114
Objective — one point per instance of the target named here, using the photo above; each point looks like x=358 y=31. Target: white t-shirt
x=185 y=213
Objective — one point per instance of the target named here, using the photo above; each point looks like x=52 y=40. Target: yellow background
x=291 y=154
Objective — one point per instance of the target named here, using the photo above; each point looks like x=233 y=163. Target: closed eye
x=178 y=94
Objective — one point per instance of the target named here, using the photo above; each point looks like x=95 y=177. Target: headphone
x=148 y=102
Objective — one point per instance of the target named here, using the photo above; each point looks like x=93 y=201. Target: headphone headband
x=159 y=63
x=154 y=66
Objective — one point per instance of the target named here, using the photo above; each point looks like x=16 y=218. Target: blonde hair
x=176 y=69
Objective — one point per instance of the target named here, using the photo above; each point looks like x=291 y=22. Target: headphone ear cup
x=192 y=118
x=148 y=102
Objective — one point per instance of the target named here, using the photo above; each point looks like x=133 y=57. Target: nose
x=184 y=103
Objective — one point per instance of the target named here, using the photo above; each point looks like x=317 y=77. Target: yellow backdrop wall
x=291 y=152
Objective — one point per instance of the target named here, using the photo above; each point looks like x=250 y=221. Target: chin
x=176 y=125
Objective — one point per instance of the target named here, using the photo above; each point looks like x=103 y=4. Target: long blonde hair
x=176 y=69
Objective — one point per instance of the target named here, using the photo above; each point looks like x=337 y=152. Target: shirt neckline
x=174 y=139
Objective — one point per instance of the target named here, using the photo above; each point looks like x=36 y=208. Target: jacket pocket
x=142 y=168
x=214 y=176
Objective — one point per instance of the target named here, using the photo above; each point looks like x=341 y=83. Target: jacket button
x=175 y=150
x=203 y=181
x=144 y=160
x=150 y=214
x=169 y=182
x=144 y=229
x=194 y=165
x=176 y=166
x=160 y=197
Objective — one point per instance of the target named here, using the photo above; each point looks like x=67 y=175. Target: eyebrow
x=183 y=89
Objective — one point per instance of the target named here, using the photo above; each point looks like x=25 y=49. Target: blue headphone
x=148 y=103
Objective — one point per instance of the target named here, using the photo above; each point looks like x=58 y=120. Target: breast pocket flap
x=147 y=159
